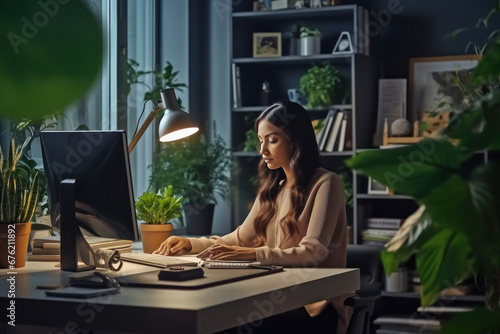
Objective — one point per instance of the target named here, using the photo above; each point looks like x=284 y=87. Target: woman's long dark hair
x=295 y=122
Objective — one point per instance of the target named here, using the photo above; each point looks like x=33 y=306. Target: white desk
x=149 y=310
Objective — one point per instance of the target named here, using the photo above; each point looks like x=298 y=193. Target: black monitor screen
x=98 y=161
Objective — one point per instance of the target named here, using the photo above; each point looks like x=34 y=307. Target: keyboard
x=230 y=264
x=156 y=260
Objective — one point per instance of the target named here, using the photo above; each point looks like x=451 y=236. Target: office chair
x=367 y=259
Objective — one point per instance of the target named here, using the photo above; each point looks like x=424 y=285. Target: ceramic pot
x=199 y=218
x=153 y=235
x=14 y=240
x=310 y=45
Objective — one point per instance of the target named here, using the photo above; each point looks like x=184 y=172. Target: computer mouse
x=95 y=280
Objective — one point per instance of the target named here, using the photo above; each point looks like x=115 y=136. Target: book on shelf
x=333 y=134
x=414 y=324
x=235 y=69
x=342 y=134
x=383 y=223
x=326 y=129
x=380 y=235
x=373 y=243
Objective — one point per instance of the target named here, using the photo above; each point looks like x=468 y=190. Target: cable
x=140 y=116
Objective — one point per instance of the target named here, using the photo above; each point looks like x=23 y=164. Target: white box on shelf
x=282 y=4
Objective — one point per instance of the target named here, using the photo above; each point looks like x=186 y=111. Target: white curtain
x=141 y=48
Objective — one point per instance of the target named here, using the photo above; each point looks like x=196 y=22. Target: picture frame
x=376 y=188
x=344 y=44
x=424 y=91
x=266 y=44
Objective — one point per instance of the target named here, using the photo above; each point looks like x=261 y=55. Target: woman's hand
x=221 y=252
x=173 y=246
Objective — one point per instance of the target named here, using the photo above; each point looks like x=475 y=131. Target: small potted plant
x=18 y=201
x=321 y=85
x=310 y=41
x=199 y=171
x=156 y=210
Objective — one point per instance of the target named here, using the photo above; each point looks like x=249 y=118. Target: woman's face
x=275 y=148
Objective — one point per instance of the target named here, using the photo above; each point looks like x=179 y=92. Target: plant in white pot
x=156 y=210
x=310 y=41
x=18 y=200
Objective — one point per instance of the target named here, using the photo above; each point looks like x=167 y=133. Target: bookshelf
x=360 y=71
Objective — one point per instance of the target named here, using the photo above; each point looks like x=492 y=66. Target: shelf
x=261 y=108
x=243 y=154
x=294 y=60
x=296 y=14
x=466 y=298
x=370 y=196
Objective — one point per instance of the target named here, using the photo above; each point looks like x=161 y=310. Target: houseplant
x=41 y=57
x=162 y=79
x=310 y=41
x=457 y=227
x=18 y=200
x=156 y=209
x=199 y=171
x=321 y=85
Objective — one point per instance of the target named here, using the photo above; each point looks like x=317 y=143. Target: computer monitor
x=90 y=188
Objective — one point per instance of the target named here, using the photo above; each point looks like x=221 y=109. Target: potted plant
x=18 y=200
x=156 y=210
x=310 y=41
x=199 y=171
x=456 y=230
x=321 y=85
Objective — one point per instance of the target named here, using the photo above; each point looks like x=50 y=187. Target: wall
x=419 y=29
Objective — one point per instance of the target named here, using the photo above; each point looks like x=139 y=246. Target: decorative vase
x=199 y=218
x=14 y=240
x=152 y=235
x=310 y=45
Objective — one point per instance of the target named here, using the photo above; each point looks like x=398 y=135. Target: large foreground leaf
x=51 y=54
x=478 y=321
x=443 y=261
x=477 y=127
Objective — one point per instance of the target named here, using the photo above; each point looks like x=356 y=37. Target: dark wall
x=418 y=28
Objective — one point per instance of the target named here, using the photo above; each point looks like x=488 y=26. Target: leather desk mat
x=211 y=277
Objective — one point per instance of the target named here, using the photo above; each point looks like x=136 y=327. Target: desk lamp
x=175 y=124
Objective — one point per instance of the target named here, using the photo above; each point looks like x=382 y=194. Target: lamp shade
x=176 y=123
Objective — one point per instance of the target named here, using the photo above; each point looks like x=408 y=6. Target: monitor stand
x=74 y=247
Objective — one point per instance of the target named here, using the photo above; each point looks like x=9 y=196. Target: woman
x=298 y=218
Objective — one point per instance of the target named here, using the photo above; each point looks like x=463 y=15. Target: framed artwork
x=431 y=82
x=267 y=44
x=376 y=188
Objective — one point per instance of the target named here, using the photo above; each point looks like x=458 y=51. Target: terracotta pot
x=153 y=235
x=16 y=246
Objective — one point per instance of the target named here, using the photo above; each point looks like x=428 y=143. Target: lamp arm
x=143 y=128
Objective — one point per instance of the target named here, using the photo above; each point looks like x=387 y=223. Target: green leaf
x=477 y=127
x=488 y=68
x=407 y=241
x=478 y=321
x=51 y=53
x=442 y=261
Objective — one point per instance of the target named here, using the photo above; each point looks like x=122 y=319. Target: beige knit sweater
x=321 y=241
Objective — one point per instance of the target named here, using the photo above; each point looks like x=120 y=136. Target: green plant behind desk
x=321 y=85
x=197 y=169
